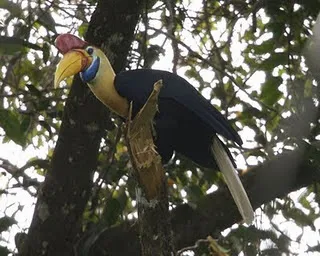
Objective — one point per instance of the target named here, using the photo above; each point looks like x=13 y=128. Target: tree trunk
x=62 y=198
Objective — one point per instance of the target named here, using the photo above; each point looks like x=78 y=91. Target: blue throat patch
x=91 y=72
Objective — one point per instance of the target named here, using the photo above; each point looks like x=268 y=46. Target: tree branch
x=216 y=212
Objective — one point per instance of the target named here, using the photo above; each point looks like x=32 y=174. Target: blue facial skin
x=90 y=73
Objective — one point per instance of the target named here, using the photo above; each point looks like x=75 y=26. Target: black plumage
x=186 y=121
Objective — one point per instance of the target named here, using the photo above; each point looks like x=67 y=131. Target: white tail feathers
x=233 y=181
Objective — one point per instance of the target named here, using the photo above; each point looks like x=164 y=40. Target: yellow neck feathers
x=103 y=88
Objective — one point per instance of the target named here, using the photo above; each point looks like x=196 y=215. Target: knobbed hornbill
x=186 y=122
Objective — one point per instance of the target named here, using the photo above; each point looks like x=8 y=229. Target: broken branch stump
x=152 y=195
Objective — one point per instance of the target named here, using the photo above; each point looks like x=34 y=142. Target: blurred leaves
x=46 y=20
x=270 y=93
x=13 y=128
x=300 y=218
x=14 y=8
x=4 y=251
x=12 y=45
x=6 y=222
x=218 y=47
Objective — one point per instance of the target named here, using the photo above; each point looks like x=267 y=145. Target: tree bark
x=216 y=212
x=63 y=196
x=152 y=193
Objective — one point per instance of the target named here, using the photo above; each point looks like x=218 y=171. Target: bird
x=185 y=122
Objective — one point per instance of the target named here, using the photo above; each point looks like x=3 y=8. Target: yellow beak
x=72 y=63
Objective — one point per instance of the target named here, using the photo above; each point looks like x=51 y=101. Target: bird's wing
x=136 y=86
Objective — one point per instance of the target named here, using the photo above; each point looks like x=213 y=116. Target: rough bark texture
x=216 y=212
x=62 y=198
x=152 y=194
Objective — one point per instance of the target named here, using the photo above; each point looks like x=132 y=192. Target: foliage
x=245 y=56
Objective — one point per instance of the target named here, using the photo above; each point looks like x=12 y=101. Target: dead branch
x=152 y=196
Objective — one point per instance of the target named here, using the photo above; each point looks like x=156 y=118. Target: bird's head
x=78 y=57
x=94 y=69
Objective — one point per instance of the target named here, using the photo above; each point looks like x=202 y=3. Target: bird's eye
x=89 y=50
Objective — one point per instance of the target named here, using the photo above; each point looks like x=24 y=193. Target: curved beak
x=72 y=63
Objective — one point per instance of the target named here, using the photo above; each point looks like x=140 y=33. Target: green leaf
x=19 y=240
x=34 y=90
x=111 y=212
x=46 y=20
x=25 y=124
x=83 y=29
x=46 y=126
x=12 y=45
x=274 y=60
x=265 y=47
x=191 y=73
x=6 y=222
x=45 y=52
x=300 y=218
x=273 y=122
x=114 y=207
x=122 y=198
x=305 y=203
x=194 y=193
x=11 y=125
x=270 y=93
x=4 y=251
x=13 y=8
